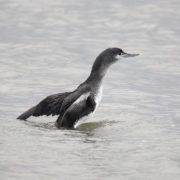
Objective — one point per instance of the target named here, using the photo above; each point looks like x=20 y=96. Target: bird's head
x=111 y=55
x=108 y=57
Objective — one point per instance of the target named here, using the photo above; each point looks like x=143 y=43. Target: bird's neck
x=98 y=73
x=96 y=77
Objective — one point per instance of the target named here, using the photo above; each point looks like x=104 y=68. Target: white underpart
x=98 y=97
x=81 y=98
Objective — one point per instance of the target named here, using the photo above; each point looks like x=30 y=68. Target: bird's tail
x=27 y=113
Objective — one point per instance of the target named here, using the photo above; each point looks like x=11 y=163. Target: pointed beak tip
x=130 y=55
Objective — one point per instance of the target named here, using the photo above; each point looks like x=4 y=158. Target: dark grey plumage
x=69 y=106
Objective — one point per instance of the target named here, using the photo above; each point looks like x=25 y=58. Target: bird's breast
x=98 y=95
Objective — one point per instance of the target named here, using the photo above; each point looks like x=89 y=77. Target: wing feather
x=76 y=111
x=49 y=106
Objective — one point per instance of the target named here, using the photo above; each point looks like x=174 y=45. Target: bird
x=70 y=107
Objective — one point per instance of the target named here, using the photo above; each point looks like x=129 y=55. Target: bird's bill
x=126 y=55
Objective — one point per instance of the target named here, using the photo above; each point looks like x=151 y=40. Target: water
x=48 y=47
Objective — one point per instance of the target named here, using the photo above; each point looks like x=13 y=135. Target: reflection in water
x=47 y=47
x=89 y=126
x=47 y=126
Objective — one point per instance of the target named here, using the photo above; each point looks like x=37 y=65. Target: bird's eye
x=120 y=52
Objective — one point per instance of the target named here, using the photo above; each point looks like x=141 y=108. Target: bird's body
x=72 y=106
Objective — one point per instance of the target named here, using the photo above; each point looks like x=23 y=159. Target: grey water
x=48 y=46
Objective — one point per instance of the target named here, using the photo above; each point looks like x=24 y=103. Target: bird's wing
x=71 y=98
x=80 y=108
x=51 y=105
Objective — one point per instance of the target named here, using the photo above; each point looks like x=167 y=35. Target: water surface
x=48 y=47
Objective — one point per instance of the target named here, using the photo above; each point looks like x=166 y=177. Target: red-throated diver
x=72 y=106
